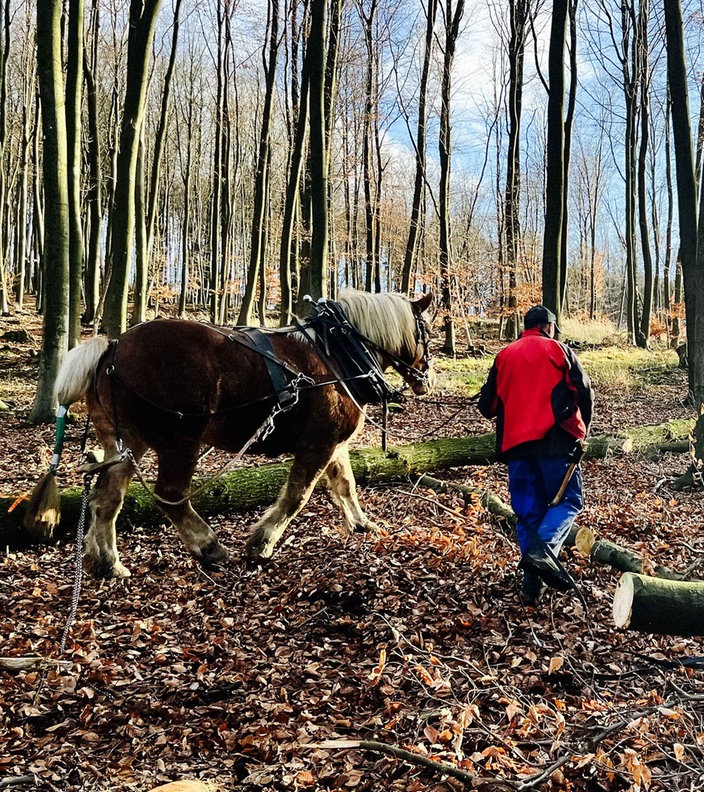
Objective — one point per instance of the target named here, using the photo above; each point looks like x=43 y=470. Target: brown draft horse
x=175 y=386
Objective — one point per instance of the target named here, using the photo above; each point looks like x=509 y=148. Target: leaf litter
x=269 y=679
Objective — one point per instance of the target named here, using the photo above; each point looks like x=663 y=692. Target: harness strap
x=279 y=373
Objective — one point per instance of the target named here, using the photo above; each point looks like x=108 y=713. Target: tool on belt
x=574 y=459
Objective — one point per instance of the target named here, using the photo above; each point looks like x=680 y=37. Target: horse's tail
x=77 y=372
x=75 y=377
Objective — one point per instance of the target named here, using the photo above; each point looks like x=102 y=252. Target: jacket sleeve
x=487 y=395
x=583 y=385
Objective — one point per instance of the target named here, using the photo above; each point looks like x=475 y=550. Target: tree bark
x=552 y=288
x=643 y=333
x=74 y=100
x=452 y=30
x=371 y=190
x=259 y=232
x=691 y=225
x=143 y=14
x=54 y=170
x=518 y=14
x=409 y=262
x=94 y=198
x=659 y=606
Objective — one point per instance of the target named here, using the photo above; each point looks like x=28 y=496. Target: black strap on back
x=282 y=382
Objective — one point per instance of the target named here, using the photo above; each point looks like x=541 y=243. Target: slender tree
x=453 y=17
x=94 y=196
x=74 y=126
x=56 y=211
x=258 y=237
x=4 y=55
x=691 y=248
x=554 y=202
x=420 y=145
x=142 y=19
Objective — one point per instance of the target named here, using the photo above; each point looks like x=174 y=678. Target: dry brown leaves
x=416 y=639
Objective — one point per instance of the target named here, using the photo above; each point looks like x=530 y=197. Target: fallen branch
x=473 y=781
x=16 y=664
x=16 y=781
x=489 y=500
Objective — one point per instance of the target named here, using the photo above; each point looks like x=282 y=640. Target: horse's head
x=420 y=374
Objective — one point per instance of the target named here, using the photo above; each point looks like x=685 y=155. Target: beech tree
x=691 y=225
x=555 y=163
x=56 y=206
x=452 y=19
x=259 y=234
x=142 y=19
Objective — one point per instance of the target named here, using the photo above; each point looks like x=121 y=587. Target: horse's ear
x=422 y=303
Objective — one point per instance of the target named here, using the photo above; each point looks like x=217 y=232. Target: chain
x=78 y=560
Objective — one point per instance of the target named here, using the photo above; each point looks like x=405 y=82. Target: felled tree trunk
x=659 y=606
x=252 y=487
x=249 y=488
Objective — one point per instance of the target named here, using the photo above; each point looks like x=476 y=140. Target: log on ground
x=253 y=487
x=659 y=606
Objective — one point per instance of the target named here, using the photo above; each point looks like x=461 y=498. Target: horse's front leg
x=173 y=483
x=343 y=490
x=307 y=467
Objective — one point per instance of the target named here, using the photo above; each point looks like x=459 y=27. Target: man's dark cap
x=538 y=316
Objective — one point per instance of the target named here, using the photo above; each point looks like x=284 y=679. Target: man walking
x=542 y=401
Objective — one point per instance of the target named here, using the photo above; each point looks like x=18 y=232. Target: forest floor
x=267 y=679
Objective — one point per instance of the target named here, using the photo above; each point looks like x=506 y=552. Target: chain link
x=78 y=560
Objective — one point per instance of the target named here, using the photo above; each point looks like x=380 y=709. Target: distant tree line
x=200 y=158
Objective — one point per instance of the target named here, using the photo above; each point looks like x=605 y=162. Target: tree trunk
x=409 y=262
x=371 y=103
x=141 y=258
x=248 y=488
x=659 y=606
x=143 y=14
x=691 y=225
x=74 y=102
x=667 y=264
x=258 y=235
x=56 y=213
x=94 y=198
x=452 y=22
x=554 y=197
x=4 y=57
x=643 y=333
x=518 y=16
x=567 y=153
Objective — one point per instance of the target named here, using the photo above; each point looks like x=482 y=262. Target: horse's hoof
x=120 y=571
x=258 y=554
x=106 y=568
x=214 y=554
x=368 y=527
x=257 y=561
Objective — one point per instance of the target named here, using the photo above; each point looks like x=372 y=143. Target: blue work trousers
x=533 y=482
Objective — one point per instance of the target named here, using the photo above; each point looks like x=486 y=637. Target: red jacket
x=540 y=395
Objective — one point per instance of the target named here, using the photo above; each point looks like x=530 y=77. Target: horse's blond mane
x=386 y=319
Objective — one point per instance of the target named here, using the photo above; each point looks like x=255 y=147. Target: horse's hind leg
x=306 y=469
x=101 y=556
x=343 y=490
x=173 y=483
